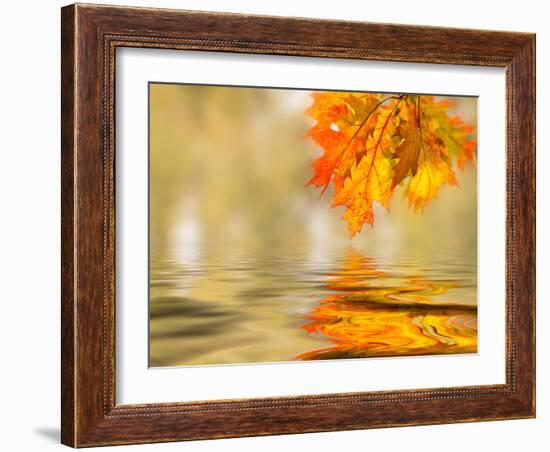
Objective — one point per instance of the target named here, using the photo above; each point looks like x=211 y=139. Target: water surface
x=230 y=308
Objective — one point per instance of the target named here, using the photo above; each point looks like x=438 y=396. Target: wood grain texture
x=67 y=226
x=90 y=36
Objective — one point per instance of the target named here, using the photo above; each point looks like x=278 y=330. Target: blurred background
x=242 y=254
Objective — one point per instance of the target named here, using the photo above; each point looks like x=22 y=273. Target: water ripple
x=261 y=308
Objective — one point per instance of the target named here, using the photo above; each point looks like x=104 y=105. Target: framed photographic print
x=281 y=225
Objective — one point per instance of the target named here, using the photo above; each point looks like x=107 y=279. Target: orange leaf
x=340 y=130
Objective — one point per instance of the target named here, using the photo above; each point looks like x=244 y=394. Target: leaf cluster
x=374 y=142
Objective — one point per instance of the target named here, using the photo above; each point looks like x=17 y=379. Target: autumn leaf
x=430 y=154
x=374 y=142
x=408 y=150
x=340 y=130
x=450 y=129
x=371 y=179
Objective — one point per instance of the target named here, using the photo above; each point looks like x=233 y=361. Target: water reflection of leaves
x=400 y=319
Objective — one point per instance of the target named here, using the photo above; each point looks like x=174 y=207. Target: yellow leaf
x=432 y=172
x=371 y=180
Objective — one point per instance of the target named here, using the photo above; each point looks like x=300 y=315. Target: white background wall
x=29 y=225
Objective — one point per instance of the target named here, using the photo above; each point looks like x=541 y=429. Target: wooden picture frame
x=90 y=36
